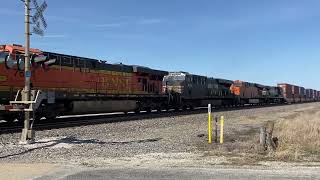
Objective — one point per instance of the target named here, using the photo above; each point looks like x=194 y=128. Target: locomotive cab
x=174 y=82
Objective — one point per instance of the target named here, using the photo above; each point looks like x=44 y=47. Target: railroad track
x=84 y=120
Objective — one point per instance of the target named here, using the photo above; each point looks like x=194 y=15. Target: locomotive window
x=81 y=63
x=87 y=64
x=75 y=61
x=54 y=57
x=93 y=64
x=66 y=61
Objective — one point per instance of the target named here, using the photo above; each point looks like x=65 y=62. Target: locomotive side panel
x=83 y=107
x=246 y=92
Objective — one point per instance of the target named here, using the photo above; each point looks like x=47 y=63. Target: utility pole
x=27 y=134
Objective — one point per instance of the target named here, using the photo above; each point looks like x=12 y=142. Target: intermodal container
x=302 y=94
x=286 y=90
x=302 y=91
x=295 y=91
x=308 y=93
x=311 y=93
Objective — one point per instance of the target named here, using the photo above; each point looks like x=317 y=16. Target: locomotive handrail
x=16 y=98
x=21 y=105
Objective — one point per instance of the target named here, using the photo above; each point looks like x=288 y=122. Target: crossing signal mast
x=37 y=19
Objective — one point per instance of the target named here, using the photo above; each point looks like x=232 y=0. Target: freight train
x=64 y=84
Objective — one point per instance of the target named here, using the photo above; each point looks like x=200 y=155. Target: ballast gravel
x=186 y=134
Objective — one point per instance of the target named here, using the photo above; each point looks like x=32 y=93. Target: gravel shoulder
x=179 y=141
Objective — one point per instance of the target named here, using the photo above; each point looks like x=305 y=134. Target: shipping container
x=295 y=94
x=302 y=94
x=295 y=90
x=302 y=91
x=286 y=89
x=308 y=94
x=311 y=94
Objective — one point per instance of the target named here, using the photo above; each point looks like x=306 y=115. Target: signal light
x=10 y=63
x=3 y=57
x=21 y=64
x=36 y=61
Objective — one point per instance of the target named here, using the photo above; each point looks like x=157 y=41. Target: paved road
x=191 y=173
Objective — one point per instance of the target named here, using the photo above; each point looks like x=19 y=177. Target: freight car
x=76 y=85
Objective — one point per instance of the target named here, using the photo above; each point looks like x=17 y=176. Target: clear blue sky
x=264 y=41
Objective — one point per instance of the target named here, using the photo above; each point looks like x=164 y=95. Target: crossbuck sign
x=38 y=18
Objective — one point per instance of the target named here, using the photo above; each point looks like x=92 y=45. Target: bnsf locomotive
x=64 y=84
x=76 y=85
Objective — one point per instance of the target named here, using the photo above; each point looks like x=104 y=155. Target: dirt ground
x=19 y=171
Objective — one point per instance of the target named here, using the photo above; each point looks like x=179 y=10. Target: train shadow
x=47 y=144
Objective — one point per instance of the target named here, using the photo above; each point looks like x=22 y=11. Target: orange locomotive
x=252 y=93
x=78 y=85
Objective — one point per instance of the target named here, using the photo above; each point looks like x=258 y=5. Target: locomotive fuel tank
x=81 y=107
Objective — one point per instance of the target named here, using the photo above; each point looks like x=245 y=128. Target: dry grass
x=298 y=131
x=299 y=137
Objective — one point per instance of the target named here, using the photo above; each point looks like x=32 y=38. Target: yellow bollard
x=209 y=125
x=221 y=129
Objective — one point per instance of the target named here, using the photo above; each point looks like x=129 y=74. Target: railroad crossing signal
x=39 y=16
x=38 y=31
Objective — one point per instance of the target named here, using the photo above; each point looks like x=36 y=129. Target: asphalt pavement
x=221 y=173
